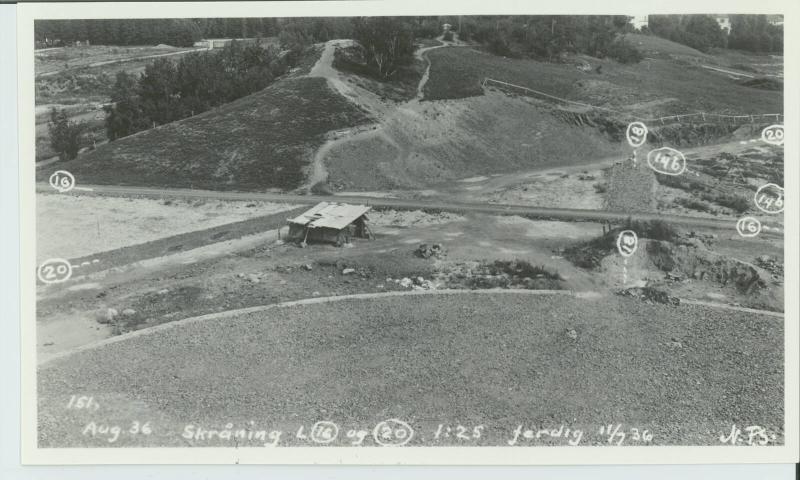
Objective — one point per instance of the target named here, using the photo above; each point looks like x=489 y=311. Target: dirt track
x=424 y=204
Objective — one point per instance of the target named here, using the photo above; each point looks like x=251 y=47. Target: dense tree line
x=754 y=33
x=747 y=32
x=388 y=43
x=184 y=32
x=547 y=37
x=701 y=32
x=167 y=90
x=176 y=32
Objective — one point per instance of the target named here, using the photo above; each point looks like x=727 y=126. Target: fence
x=705 y=117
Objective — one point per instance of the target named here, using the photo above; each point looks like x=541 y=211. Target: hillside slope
x=654 y=87
x=259 y=142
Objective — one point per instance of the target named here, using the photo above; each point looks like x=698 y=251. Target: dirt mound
x=431 y=142
x=258 y=142
x=702 y=264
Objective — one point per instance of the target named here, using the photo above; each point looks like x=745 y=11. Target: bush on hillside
x=64 y=134
x=624 y=52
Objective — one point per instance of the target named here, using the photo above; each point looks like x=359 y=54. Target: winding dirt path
x=381 y=110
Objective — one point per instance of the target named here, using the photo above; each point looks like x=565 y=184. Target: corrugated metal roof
x=330 y=215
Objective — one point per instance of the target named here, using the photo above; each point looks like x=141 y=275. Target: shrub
x=693 y=204
x=655 y=229
x=448 y=36
x=624 y=52
x=736 y=203
x=64 y=134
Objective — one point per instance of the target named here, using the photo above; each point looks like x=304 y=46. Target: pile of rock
x=770 y=264
x=417 y=283
x=649 y=295
x=435 y=250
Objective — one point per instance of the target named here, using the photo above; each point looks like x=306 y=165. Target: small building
x=330 y=223
x=638 y=21
x=724 y=22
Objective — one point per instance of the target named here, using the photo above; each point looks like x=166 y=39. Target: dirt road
x=387 y=114
x=405 y=204
x=121 y=60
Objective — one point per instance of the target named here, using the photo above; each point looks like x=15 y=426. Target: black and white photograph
x=253 y=233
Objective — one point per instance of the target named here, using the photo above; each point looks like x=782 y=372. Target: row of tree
x=755 y=33
x=167 y=91
x=184 y=32
x=747 y=32
x=547 y=37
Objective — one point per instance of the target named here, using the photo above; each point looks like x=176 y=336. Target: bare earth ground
x=496 y=361
x=98 y=224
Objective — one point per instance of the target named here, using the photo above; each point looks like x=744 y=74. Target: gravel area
x=491 y=360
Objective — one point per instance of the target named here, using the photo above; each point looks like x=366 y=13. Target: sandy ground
x=70 y=226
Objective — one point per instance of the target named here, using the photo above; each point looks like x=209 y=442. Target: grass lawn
x=258 y=142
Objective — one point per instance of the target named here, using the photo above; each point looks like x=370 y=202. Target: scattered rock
x=315 y=294
x=128 y=312
x=571 y=333
x=348 y=271
x=106 y=315
x=279 y=242
x=163 y=291
x=650 y=295
x=674 y=343
x=308 y=267
x=435 y=250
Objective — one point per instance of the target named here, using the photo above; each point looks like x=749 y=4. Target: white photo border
x=566 y=455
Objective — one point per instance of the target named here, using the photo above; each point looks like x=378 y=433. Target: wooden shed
x=330 y=222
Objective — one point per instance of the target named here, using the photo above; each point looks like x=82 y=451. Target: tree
x=703 y=32
x=387 y=41
x=124 y=115
x=64 y=134
x=158 y=93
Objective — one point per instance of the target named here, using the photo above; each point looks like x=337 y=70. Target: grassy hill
x=262 y=141
x=657 y=86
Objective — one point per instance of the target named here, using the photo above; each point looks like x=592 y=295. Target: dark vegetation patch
x=764 y=83
x=401 y=86
x=590 y=253
x=501 y=274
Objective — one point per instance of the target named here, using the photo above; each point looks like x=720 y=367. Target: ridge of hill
x=259 y=142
